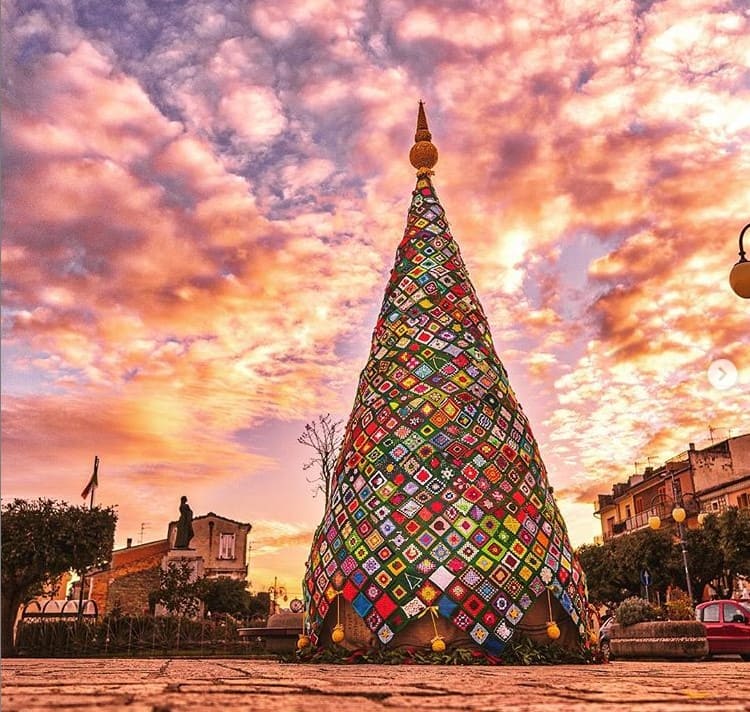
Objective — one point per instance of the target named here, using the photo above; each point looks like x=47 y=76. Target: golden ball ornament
x=553 y=631
x=303 y=642
x=438 y=645
x=739 y=279
x=423 y=154
x=337 y=636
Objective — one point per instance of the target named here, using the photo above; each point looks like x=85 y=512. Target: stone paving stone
x=178 y=685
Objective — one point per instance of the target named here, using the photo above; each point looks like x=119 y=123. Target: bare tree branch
x=324 y=436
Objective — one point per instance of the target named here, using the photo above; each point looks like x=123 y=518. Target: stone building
x=219 y=545
x=220 y=542
x=709 y=479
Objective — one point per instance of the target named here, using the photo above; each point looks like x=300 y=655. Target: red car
x=727 y=627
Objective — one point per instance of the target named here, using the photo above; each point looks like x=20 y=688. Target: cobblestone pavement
x=174 y=685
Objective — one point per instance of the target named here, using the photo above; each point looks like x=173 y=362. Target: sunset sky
x=202 y=202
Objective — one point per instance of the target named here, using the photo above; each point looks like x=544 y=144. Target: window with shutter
x=226 y=546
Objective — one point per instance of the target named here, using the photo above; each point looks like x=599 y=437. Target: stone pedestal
x=191 y=556
x=196 y=564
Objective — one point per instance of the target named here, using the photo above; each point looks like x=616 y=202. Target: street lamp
x=739 y=277
x=274 y=592
x=682 y=504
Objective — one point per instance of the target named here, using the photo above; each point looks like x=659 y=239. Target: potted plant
x=639 y=633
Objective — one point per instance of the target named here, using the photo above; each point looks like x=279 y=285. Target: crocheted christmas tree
x=440 y=499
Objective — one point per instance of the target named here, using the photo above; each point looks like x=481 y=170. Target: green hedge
x=129 y=635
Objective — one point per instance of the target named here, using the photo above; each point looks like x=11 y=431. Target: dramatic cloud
x=202 y=202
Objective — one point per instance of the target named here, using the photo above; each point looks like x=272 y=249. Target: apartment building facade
x=709 y=479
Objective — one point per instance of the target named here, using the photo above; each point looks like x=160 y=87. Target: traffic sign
x=296 y=606
x=646 y=577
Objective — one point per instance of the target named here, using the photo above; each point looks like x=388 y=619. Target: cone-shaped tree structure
x=440 y=501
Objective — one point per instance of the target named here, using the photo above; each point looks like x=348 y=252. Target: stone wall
x=722 y=469
x=132 y=575
x=711 y=467
x=129 y=593
x=740 y=449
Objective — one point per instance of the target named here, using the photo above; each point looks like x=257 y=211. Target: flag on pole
x=94 y=481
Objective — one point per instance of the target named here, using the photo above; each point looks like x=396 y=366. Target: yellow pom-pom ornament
x=553 y=631
x=303 y=642
x=337 y=636
x=438 y=644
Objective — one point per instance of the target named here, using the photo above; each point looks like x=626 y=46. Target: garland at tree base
x=521 y=652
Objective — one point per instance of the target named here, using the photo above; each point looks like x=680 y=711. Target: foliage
x=257 y=606
x=635 y=610
x=41 y=540
x=704 y=557
x=595 y=562
x=679 y=609
x=522 y=651
x=734 y=539
x=324 y=436
x=178 y=590
x=228 y=595
x=613 y=569
x=129 y=635
x=222 y=594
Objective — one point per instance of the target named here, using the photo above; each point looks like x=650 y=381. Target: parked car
x=604 y=634
x=727 y=626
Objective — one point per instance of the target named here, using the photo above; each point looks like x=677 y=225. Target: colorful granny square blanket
x=440 y=498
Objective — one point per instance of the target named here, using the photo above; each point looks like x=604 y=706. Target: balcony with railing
x=662 y=507
x=631 y=524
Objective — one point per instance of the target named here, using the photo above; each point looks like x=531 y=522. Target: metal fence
x=137 y=636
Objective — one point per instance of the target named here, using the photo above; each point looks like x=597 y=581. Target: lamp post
x=682 y=503
x=274 y=592
x=739 y=277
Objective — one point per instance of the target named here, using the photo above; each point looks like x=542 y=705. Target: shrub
x=635 y=610
x=679 y=607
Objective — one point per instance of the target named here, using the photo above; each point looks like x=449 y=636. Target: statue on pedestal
x=184 y=525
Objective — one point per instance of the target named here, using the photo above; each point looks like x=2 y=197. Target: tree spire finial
x=423 y=155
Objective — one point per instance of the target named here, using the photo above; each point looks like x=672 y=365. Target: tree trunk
x=10 y=603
